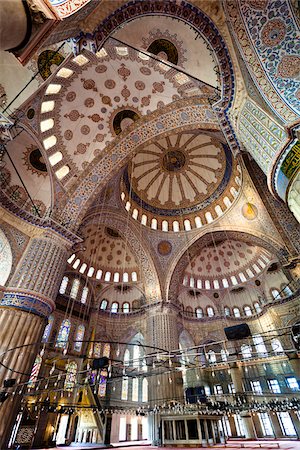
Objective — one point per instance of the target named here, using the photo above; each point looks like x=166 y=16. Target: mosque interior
x=149 y=222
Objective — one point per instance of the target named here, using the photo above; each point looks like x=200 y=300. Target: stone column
x=24 y=308
x=162 y=333
x=236 y=374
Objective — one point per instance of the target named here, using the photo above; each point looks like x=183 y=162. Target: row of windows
x=225 y=283
x=187 y=225
x=70 y=378
x=139 y=389
x=210 y=312
x=273 y=385
x=116 y=277
x=115 y=307
x=74 y=289
x=247 y=350
x=63 y=334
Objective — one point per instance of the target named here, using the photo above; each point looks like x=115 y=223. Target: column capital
x=27 y=301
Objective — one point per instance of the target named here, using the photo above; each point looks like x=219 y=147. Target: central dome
x=178 y=172
x=181 y=181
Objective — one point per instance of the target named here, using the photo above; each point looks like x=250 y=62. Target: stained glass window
x=97 y=349
x=35 y=371
x=84 y=295
x=74 y=289
x=63 y=285
x=135 y=389
x=70 y=376
x=47 y=330
x=102 y=383
x=126 y=357
x=106 y=350
x=145 y=390
x=79 y=338
x=63 y=334
x=124 y=395
x=126 y=308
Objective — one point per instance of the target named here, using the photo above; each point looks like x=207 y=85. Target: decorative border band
x=27 y=302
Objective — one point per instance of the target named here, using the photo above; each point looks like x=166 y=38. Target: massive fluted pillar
x=166 y=383
x=24 y=308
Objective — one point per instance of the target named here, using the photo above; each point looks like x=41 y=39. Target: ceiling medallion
x=173 y=160
x=164 y=248
x=34 y=161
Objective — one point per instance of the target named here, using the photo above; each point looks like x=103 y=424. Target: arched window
x=125 y=308
x=82 y=268
x=134 y=276
x=79 y=338
x=236 y=312
x=223 y=355
x=198 y=222
x=64 y=284
x=126 y=357
x=63 y=334
x=99 y=274
x=287 y=291
x=175 y=226
x=106 y=350
x=165 y=225
x=76 y=264
x=210 y=311
x=104 y=304
x=5 y=258
x=189 y=311
x=260 y=345
x=257 y=307
x=199 y=313
x=209 y=217
x=135 y=214
x=227 y=202
x=35 y=371
x=97 y=349
x=70 y=379
x=192 y=282
x=102 y=383
x=84 y=294
x=226 y=311
x=136 y=356
x=247 y=311
x=187 y=225
x=145 y=390
x=154 y=224
x=124 y=394
x=275 y=294
x=114 y=307
x=47 y=330
x=246 y=351
x=71 y=259
x=107 y=276
x=218 y=210
x=91 y=272
x=277 y=346
x=135 y=389
x=211 y=356
x=125 y=277
x=75 y=288
x=116 y=277
x=144 y=219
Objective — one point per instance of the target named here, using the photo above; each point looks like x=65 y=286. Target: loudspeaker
x=236 y=332
x=9 y=383
x=100 y=363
